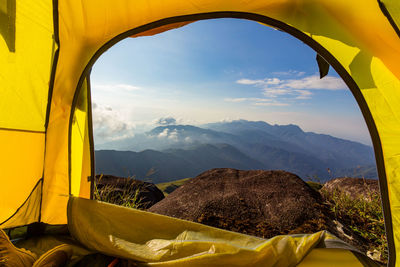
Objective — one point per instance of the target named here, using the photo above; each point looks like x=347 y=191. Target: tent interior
x=47 y=50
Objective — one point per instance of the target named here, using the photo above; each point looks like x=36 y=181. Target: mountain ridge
x=180 y=151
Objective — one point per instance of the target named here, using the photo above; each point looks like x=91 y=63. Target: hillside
x=168 y=187
x=180 y=151
x=339 y=152
x=251 y=202
x=171 y=164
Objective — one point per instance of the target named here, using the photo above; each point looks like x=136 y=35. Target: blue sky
x=217 y=70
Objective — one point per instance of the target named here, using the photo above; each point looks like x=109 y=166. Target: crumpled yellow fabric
x=154 y=239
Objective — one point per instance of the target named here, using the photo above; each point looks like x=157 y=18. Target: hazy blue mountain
x=301 y=164
x=367 y=171
x=172 y=164
x=180 y=151
x=336 y=153
x=171 y=136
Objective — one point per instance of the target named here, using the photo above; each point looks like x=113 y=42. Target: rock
x=119 y=190
x=262 y=203
x=353 y=187
x=256 y=202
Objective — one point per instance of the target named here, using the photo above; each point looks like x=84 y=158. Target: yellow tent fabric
x=175 y=242
x=391 y=9
x=27 y=51
x=48 y=47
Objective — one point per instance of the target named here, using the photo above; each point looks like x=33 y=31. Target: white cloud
x=310 y=82
x=257 y=101
x=298 y=89
x=108 y=124
x=276 y=104
x=315 y=83
x=236 y=100
x=273 y=81
x=274 y=92
x=243 y=99
x=249 y=82
x=171 y=135
x=259 y=82
x=289 y=73
x=163 y=134
x=304 y=94
x=116 y=87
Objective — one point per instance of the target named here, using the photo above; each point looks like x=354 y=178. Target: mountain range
x=173 y=152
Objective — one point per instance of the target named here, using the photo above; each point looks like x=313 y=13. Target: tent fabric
x=26 y=56
x=28 y=212
x=391 y=9
x=81 y=168
x=173 y=242
x=332 y=257
x=47 y=49
x=157 y=240
x=21 y=166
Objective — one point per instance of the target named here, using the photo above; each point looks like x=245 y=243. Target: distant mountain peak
x=178 y=127
x=288 y=129
x=245 y=144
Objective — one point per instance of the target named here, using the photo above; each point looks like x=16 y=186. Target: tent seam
x=50 y=92
x=91 y=139
x=386 y=12
x=21 y=130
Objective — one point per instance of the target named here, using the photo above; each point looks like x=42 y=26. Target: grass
x=364 y=216
x=126 y=196
x=168 y=187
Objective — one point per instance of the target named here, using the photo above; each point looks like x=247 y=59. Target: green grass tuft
x=164 y=187
x=127 y=196
x=364 y=216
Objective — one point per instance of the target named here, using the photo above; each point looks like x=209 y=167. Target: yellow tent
x=47 y=49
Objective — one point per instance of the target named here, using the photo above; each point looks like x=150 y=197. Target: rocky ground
x=256 y=202
x=353 y=187
x=260 y=203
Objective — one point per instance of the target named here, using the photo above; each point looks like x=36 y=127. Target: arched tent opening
x=180 y=21
x=214 y=71
x=367 y=62
x=140 y=77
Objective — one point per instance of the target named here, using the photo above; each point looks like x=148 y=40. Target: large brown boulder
x=256 y=202
x=353 y=187
x=120 y=190
x=262 y=203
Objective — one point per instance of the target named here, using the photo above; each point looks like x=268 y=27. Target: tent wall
x=391 y=9
x=364 y=43
x=27 y=49
x=21 y=166
x=355 y=37
x=81 y=144
x=26 y=54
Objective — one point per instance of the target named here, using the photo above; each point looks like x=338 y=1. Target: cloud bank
x=276 y=90
x=109 y=124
